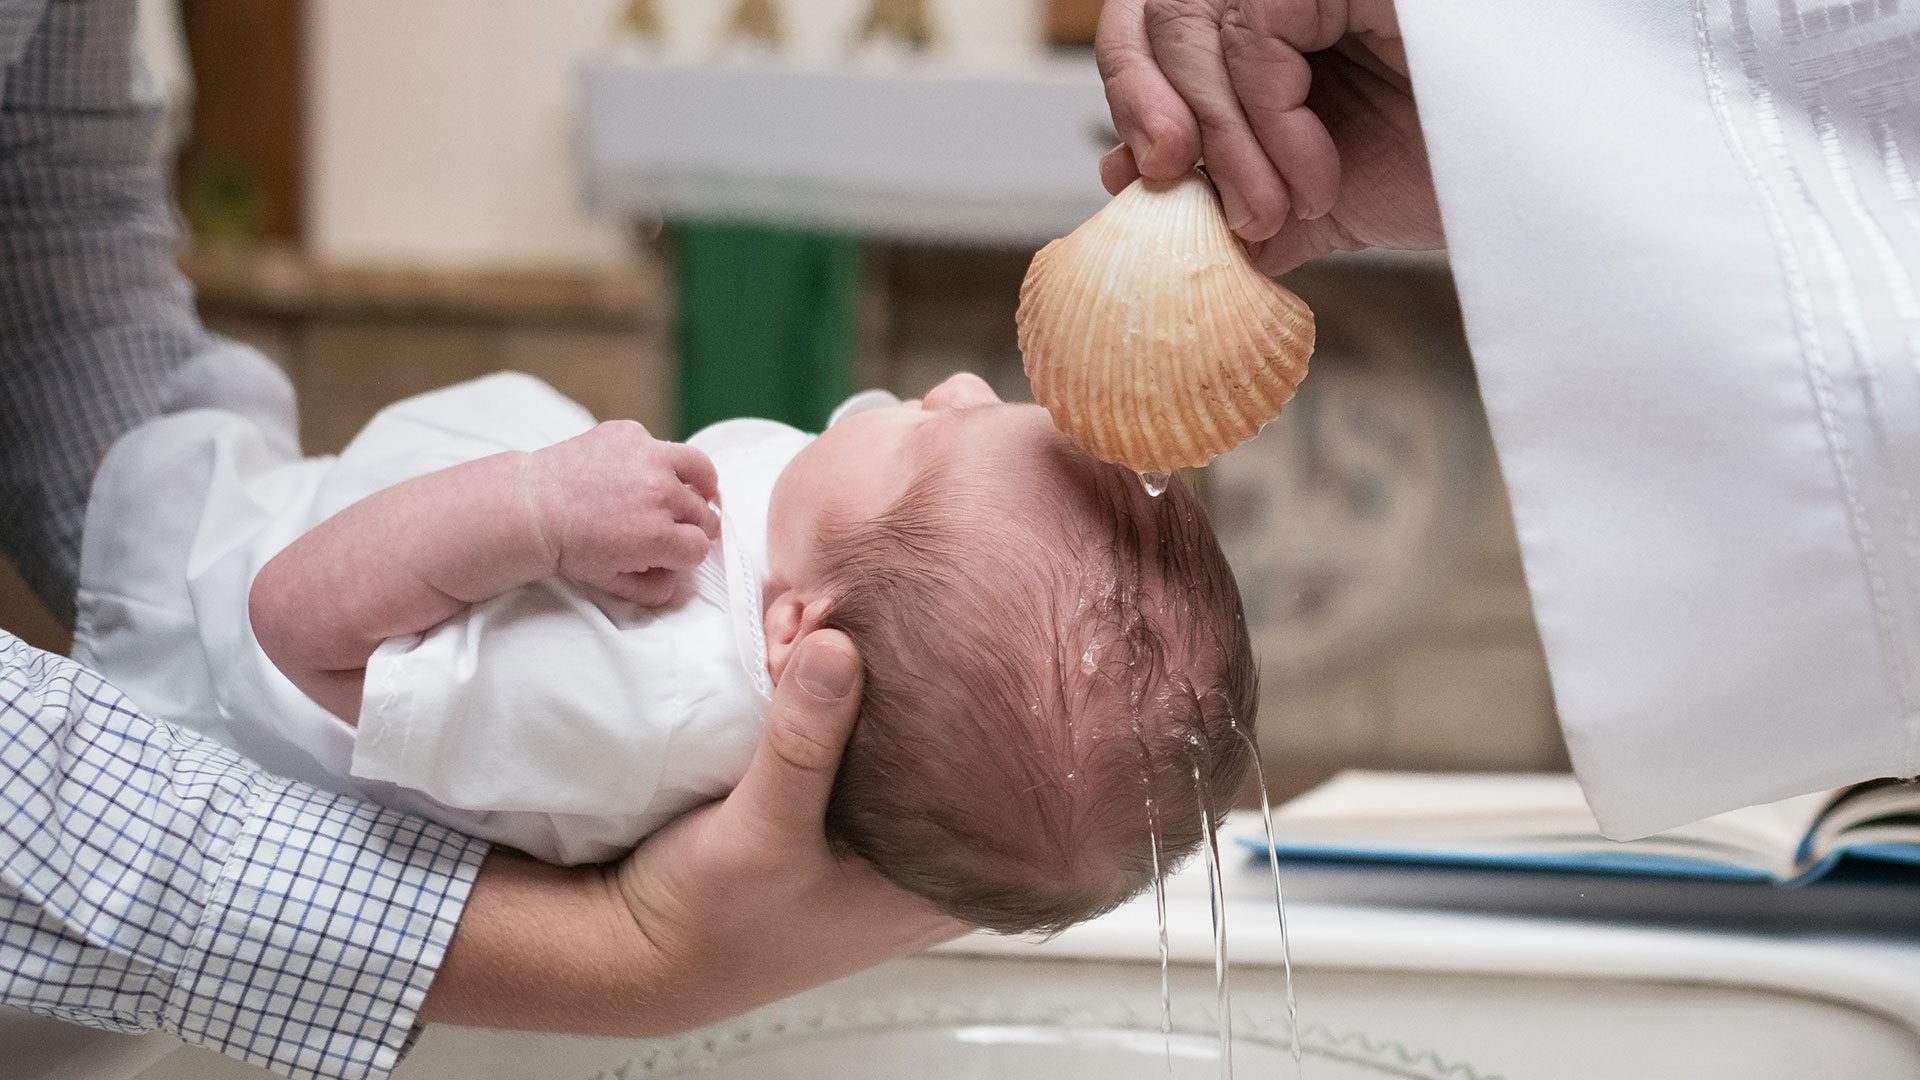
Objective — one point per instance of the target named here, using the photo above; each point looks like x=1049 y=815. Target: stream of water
x=1279 y=907
x=1217 y=893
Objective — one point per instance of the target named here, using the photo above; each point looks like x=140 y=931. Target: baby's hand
x=624 y=512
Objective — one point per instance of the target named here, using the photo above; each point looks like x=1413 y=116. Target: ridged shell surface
x=1150 y=336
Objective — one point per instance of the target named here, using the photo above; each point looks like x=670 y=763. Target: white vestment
x=1687 y=242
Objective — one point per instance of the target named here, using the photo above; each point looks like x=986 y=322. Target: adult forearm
x=549 y=948
x=566 y=950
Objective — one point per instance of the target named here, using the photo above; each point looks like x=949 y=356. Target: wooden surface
x=22 y=615
x=248 y=118
x=270 y=280
x=1071 y=22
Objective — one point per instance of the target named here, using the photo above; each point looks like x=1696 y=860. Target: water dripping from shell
x=1216 y=893
x=1160 y=912
x=1279 y=903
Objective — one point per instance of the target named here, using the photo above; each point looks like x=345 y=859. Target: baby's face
x=860 y=466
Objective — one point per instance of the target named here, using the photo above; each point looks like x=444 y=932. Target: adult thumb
x=790 y=778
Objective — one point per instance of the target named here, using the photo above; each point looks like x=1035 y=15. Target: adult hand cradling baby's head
x=743 y=901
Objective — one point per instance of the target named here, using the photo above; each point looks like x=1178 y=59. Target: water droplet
x=1156 y=483
x=1090 y=659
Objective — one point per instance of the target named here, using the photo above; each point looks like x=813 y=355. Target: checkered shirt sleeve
x=151 y=879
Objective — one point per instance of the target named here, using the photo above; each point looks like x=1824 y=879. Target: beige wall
x=440 y=133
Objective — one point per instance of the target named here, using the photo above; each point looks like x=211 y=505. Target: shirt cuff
x=328 y=923
x=398 y=693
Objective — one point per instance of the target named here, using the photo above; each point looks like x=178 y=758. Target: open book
x=1541 y=822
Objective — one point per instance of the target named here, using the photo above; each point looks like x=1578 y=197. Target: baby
x=560 y=635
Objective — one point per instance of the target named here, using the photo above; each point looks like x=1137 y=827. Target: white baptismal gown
x=560 y=720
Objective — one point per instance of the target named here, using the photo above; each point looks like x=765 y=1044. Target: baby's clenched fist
x=622 y=511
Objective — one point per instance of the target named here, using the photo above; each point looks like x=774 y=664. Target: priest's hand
x=1301 y=109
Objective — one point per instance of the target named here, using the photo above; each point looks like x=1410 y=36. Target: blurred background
x=683 y=210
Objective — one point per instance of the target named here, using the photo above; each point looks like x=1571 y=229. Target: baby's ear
x=791 y=616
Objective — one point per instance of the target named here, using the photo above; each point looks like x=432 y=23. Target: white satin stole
x=1687 y=240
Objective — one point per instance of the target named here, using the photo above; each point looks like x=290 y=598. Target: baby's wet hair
x=1043 y=664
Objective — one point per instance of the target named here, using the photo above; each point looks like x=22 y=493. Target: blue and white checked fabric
x=151 y=879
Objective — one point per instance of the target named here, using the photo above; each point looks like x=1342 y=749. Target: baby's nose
x=960 y=391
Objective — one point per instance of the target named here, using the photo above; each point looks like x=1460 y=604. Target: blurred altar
x=388 y=197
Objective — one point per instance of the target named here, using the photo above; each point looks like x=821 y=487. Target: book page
x=1360 y=802
x=1520 y=814
x=1877 y=812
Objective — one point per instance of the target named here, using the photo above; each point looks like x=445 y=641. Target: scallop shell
x=1151 y=337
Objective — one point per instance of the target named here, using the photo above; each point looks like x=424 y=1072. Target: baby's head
x=1048 y=652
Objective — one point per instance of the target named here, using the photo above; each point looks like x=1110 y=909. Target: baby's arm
x=613 y=508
